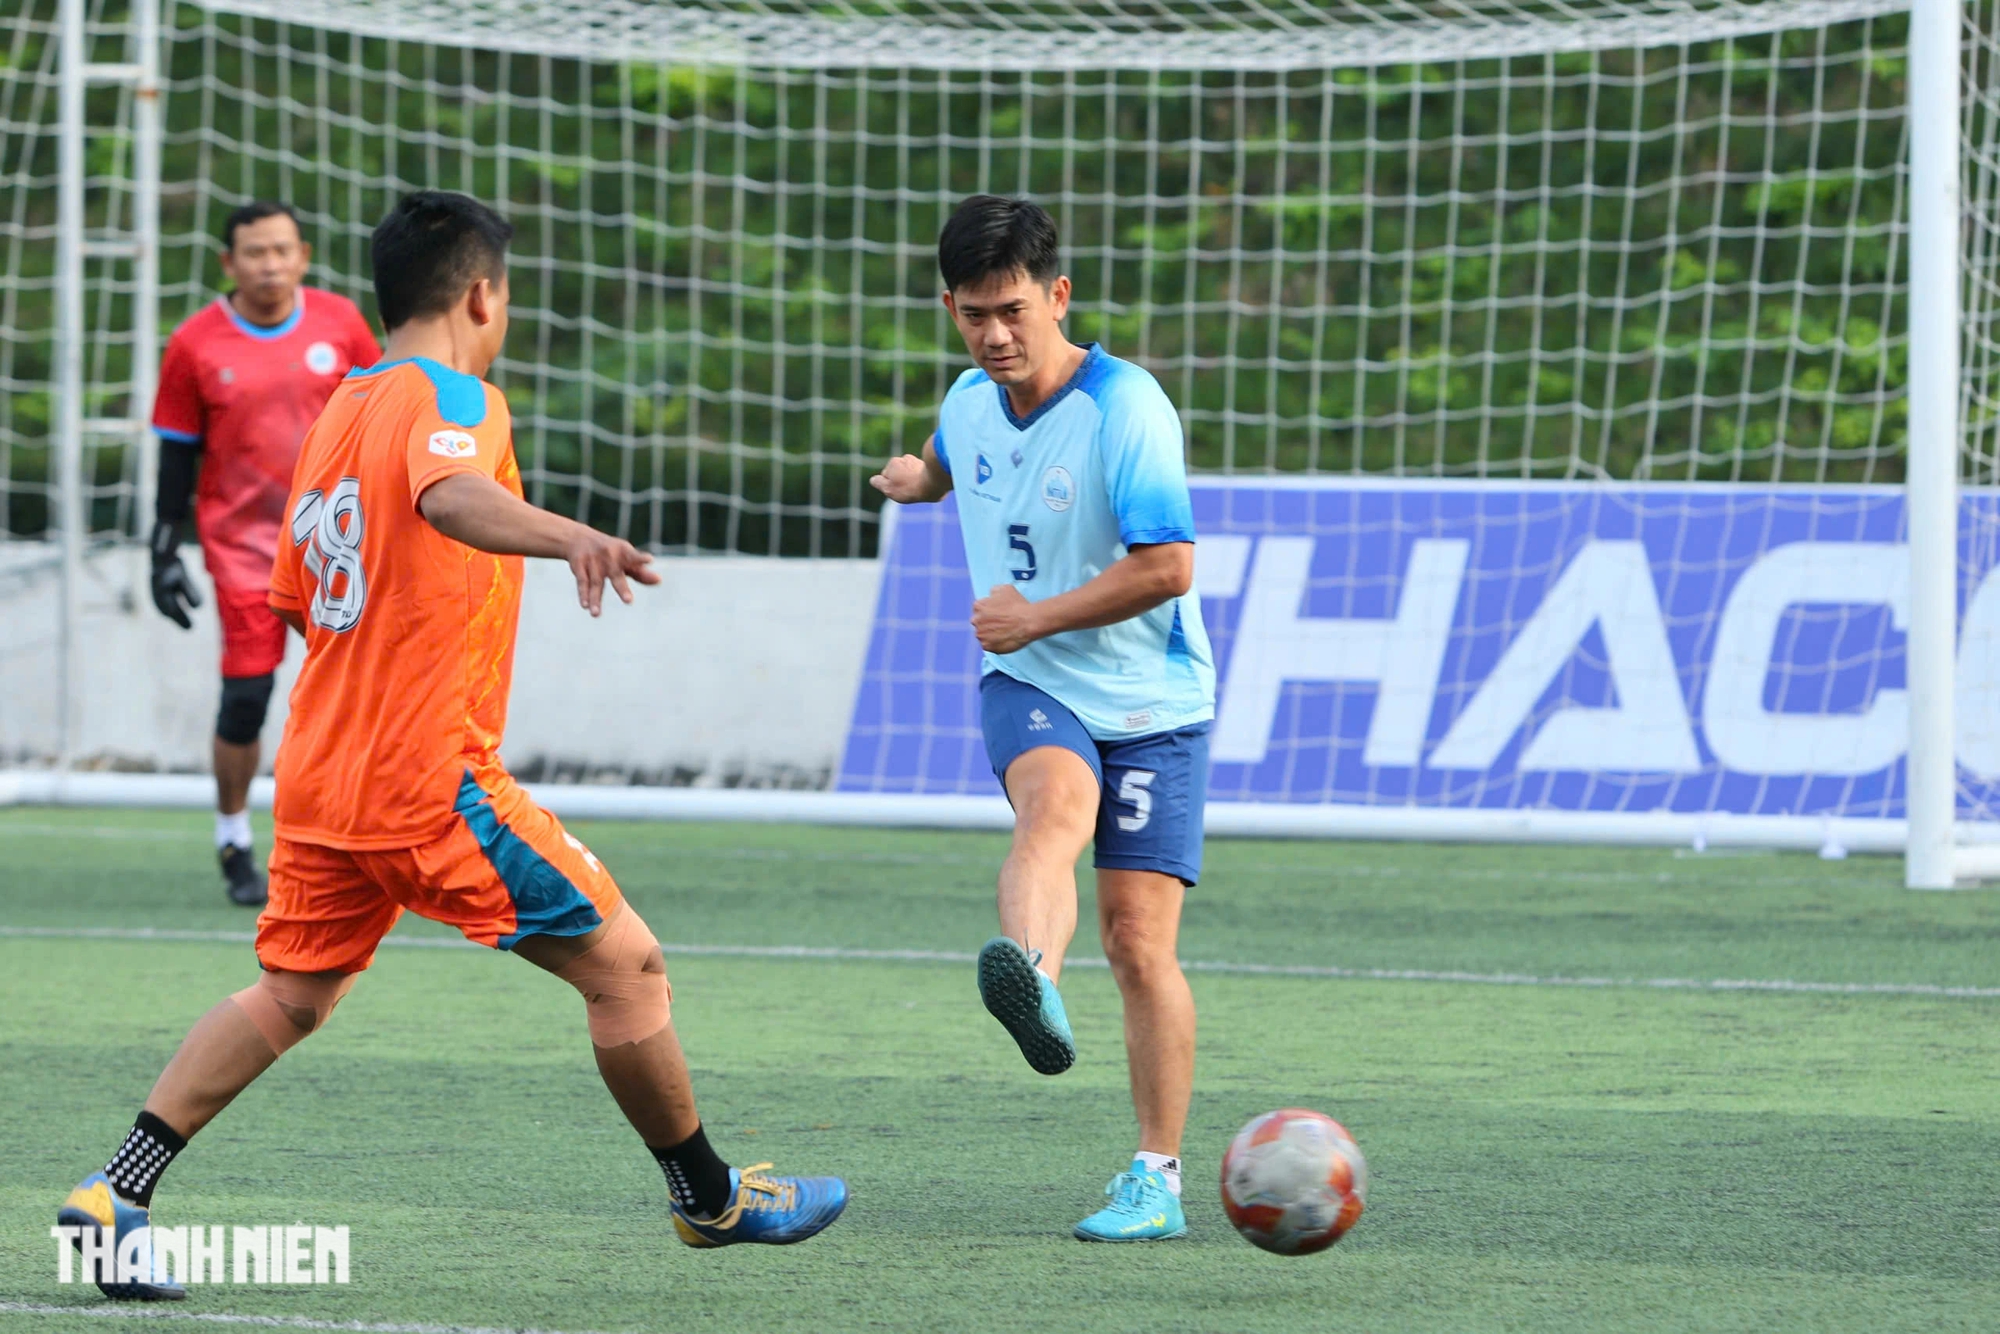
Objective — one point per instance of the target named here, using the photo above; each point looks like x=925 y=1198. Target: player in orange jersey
x=401 y=565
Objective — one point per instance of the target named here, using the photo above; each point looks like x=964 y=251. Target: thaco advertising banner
x=1504 y=646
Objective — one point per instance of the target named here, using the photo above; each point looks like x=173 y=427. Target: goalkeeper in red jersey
x=240 y=383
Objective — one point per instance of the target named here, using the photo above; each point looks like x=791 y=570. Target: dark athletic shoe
x=1027 y=1004
x=241 y=876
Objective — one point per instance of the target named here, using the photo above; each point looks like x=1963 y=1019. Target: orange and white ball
x=1293 y=1181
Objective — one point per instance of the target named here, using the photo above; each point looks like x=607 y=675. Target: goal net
x=1483 y=286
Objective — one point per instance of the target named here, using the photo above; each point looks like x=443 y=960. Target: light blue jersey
x=1046 y=502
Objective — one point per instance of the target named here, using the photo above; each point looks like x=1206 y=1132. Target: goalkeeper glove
x=171 y=586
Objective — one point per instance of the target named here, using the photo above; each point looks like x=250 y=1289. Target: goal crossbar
x=1345 y=36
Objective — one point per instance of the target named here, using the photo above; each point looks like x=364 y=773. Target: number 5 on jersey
x=1017 y=538
x=329 y=528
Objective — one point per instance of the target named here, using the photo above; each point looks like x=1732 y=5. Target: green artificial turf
x=1543 y=1156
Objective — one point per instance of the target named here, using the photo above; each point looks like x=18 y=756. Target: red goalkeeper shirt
x=246 y=395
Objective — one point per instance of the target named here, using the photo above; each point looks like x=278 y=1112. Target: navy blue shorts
x=1151 y=788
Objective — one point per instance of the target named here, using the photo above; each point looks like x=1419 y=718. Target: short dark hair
x=431 y=247
x=256 y=211
x=988 y=237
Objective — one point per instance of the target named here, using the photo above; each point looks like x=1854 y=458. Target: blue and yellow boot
x=775 y=1211
x=93 y=1204
x=1143 y=1208
x=1027 y=1004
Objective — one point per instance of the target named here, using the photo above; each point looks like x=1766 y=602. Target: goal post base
x=1972 y=864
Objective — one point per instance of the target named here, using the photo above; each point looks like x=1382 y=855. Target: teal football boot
x=1142 y=1208
x=1026 y=1004
x=95 y=1206
x=775 y=1211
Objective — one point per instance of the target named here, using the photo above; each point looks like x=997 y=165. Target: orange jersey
x=409 y=634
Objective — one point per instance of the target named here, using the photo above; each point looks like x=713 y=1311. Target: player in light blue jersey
x=1098 y=685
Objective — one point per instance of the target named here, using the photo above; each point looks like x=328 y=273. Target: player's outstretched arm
x=1132 y=585
x=481 y=513
x=912 y=479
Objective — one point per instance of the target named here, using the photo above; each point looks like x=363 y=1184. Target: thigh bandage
x=285 y=1007
x=624 y=982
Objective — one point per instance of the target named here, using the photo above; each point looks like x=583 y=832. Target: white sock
x=1166 y=1167
x=232 y=829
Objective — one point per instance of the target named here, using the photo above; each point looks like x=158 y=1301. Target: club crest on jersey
x=453 y=444
x=1058 y=491
x=321 y=359
x=982 y=471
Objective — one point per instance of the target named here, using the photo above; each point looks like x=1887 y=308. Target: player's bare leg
x=235 y=766
x=220 y=1057
x=227 y=1048
x=223 y=1054
x=1054 y=794
x=1139 y=916
x=619 y=970
x=648 y=1079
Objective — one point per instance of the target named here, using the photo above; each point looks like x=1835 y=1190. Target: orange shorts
x=506 y=869
x=253 y=638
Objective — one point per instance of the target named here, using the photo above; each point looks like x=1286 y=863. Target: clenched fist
x=1005 y=621
x=904 y=479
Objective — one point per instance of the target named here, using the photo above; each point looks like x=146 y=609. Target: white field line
x=133 y=1311
x=1448 y=976
x=189 y=834
x=192 y=836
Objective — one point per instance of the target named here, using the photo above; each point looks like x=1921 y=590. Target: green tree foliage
x=1678 y=263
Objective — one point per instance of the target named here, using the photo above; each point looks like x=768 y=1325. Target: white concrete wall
x=733 y=664
x=734 y=667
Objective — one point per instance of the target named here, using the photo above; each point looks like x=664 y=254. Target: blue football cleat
x=93 y=1204
x=1142 y=1208
x=1026 y=1004
x=775 y=1211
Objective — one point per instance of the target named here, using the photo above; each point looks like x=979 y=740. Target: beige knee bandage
x=287 y=1006
x=624 y=983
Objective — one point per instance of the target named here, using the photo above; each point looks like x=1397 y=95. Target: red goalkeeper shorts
x=253 y=638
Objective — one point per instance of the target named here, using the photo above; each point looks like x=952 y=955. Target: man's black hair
x=990 y=237
x=431 y=247
x=256 y=211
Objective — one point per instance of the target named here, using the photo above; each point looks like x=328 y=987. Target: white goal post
x=1644 y=255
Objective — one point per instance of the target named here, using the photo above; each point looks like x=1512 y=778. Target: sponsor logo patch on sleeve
x=453 y=444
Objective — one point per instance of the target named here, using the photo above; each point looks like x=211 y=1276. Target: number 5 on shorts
x=1133 y=789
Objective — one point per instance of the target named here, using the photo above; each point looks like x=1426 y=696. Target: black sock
x=137 y=1165
x=696 y=1178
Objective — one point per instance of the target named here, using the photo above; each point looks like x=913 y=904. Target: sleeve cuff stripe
x=1150 y=537
x=178 y=437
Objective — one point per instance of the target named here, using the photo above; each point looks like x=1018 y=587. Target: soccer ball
x=1293 y=1181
